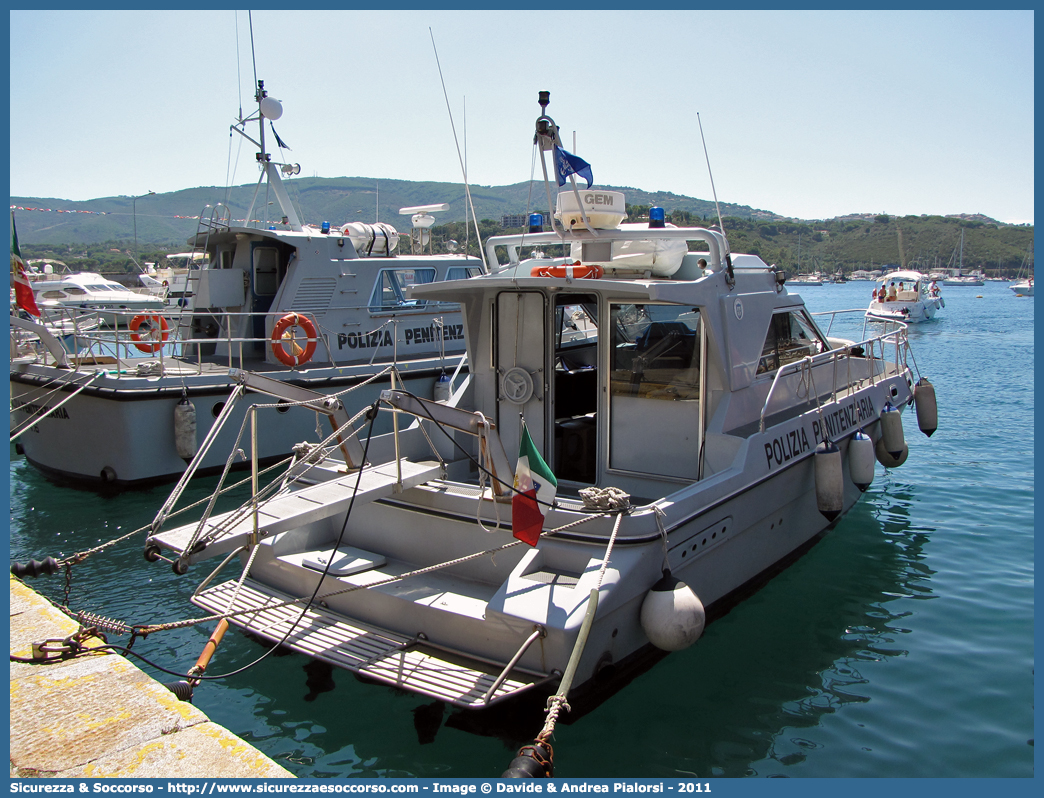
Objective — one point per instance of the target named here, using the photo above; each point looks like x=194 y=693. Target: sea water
x=901 y=645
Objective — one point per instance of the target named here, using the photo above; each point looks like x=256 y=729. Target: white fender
x=892 y=430
x=861 y=460
x=887 y=459
x=830 y=485
x=927 y=409
x=185 y=429
x=672 y=615
x=442 y=388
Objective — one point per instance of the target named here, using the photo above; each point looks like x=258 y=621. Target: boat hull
x=906 y=312
x=724 y=535
x=117 y=437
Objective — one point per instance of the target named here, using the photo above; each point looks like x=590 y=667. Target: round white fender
x=830 y=484
x=672 y=615
x=927 y=409
x=887 y=459
x=892 y=430
x=861 y=460
x=185 y=429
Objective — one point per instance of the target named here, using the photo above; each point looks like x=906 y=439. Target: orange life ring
x=577 y=270
x=299 y=357
x=158 y=327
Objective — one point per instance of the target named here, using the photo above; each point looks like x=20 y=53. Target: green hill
x=99 y=234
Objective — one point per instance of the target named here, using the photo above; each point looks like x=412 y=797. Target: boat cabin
x=349 y=293
x=631 y=379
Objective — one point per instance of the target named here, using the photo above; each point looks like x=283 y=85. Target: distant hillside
x=101 y=231
x=170 y=218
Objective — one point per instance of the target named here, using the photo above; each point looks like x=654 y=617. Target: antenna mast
x=714 y=192
x=464 y=171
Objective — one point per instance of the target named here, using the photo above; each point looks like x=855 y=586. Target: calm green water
x=899 y=646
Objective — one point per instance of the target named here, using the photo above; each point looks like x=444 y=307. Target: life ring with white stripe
x=158 y=332
x=576 y=270
x=280 y=334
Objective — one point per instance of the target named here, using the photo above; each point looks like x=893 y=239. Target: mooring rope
x=557 y=702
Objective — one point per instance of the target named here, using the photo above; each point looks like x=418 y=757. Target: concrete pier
x=100 y=716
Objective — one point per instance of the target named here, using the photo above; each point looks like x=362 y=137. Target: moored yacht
x=105 y=299
x=700 y=433
x=322 y=308
x=1023 y=288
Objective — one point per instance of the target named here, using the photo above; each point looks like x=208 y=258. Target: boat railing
x=194 y=346
x=870 y=353
x=513 y=243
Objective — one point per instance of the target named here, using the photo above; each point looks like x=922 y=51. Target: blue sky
x=810 y=114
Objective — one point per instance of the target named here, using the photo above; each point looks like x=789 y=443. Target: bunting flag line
x=535 y=488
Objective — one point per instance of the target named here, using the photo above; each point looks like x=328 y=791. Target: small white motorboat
x=1023 y=288
x=683 y=428
x=909 y=298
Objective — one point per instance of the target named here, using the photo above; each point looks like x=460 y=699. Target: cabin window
x=655 y=387
x=266 y=271
x=462 y=272
x=791 y=337
x=389 y=292
x=455 y=273
x=55 y=294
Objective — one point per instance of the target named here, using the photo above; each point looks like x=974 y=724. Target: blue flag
x=567 y=164
x=279 y=141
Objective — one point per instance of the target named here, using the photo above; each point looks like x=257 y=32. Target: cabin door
x=575 y=388
x=521 y=368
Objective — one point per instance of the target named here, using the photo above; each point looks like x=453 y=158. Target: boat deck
x=405 y=662
x=229 y=531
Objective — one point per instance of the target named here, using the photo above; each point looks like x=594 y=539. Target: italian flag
x=535 y=488
x=23 y=291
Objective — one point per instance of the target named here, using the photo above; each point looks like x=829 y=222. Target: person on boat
x=891 y=293
x=933 y=289
x=900 y=287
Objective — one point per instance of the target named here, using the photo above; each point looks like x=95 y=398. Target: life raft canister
x=280 y=333
x=158 y=332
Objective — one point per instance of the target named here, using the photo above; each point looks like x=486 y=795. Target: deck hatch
x=553 y=578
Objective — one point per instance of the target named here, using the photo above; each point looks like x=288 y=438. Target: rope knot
x=608 y=498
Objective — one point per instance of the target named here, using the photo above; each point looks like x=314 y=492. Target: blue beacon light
x=536 y=223
x=656 y=218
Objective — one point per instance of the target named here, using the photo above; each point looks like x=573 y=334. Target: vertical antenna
x=253 y=55
x=464 y=171
x=713 y=191
x=467 y=229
